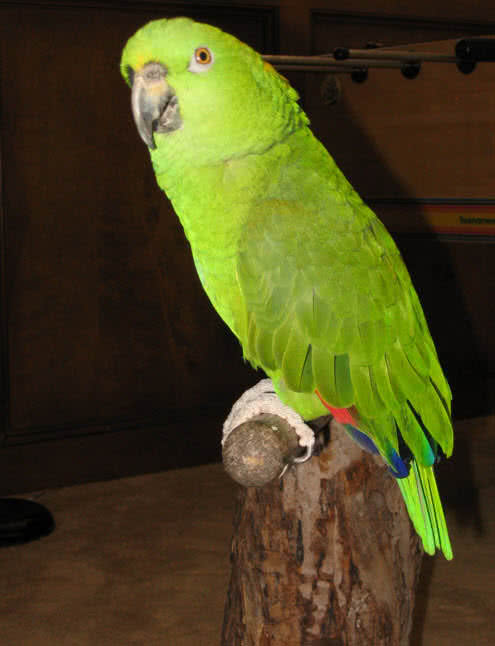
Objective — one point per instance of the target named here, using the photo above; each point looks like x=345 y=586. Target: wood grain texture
x=105 y=318
x=432 y=136
x=325 y=557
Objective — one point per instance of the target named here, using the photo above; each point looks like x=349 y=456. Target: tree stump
x=325 y=556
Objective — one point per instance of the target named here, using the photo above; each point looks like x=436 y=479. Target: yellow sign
x=460 y=218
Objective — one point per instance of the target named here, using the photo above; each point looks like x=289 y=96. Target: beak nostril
x=154 y=72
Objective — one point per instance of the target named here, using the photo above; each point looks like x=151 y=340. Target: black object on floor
x=22 y=521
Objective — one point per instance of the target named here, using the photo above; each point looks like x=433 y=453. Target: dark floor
x=145 y=561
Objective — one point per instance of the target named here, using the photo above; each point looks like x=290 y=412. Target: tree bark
x=325 y=556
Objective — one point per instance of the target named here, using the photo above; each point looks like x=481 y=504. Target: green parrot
x=298 y=267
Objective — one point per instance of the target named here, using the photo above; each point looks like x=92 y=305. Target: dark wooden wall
x=113 y=360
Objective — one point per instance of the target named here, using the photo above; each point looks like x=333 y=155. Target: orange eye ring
x=203 y=56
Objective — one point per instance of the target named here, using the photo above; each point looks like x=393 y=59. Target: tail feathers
x=423 y=503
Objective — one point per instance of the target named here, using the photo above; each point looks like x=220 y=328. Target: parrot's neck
x=213 y=203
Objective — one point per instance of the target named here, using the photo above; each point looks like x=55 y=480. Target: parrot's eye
x=202 y=60
x=203 y=56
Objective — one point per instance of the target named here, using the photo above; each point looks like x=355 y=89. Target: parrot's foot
x=260 y=399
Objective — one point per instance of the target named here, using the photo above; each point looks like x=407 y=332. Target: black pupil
x=203 y=55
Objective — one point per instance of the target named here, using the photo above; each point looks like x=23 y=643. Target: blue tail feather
x=362 y=439
x=396 y=465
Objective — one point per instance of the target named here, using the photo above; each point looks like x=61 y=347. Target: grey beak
x=152 y=99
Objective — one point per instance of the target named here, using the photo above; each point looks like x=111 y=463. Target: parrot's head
x=201 y=94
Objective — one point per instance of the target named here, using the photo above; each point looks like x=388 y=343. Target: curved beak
x=154 y=104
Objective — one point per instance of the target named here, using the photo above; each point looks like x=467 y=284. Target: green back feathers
x=338 y=314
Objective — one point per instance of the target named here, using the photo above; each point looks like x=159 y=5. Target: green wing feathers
x=342 y=318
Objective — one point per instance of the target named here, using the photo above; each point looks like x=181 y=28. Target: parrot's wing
x=329 y=306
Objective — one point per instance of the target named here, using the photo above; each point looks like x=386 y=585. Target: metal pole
x=343 y=54
x=325 y=63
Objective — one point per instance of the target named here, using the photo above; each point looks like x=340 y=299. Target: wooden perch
x=257 y=452
x=325 y=556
